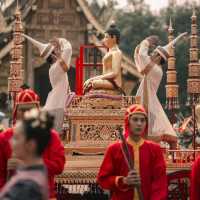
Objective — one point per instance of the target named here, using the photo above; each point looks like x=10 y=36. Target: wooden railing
x=179 y=159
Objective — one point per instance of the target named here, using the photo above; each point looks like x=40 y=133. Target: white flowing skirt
x=158 y=122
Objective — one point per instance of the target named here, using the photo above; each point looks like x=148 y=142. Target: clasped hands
x=132 y=179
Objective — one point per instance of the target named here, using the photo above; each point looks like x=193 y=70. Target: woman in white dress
x=58 y=54
x=151 y=67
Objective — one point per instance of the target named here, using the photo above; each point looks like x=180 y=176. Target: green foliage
x=137 y=25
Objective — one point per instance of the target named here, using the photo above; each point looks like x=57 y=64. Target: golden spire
x=193 y=17
x=171 y=37
x=193 y=83
x=170 y=29
x=194 y=22
x=17 y=11
x=171 y=85
x=15 y=79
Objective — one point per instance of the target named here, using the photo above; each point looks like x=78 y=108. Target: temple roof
x=26 y=7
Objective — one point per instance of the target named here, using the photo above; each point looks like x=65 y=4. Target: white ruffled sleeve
x=141 y=57
x=66 y=49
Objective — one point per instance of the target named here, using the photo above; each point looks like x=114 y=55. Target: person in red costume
x=149 y=166
x=195 y=174
x=195 y=180
x=53 y=155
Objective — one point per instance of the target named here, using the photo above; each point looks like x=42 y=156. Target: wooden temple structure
x=43 y=20
x=91 y=120
x=90 y=124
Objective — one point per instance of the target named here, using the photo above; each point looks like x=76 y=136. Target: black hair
x=50 y=59
x=37 y=126
x=114 y=31
x=162 y=61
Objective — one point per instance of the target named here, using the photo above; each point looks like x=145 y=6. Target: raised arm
x=141 y=56
x=65 y=53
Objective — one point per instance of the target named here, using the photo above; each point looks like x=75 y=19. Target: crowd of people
x=51 y=149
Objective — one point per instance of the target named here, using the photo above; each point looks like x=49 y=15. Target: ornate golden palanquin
x=90 y=124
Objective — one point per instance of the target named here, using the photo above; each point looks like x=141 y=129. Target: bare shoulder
x=117 y=53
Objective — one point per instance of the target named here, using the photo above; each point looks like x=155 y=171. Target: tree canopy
x=139 y=22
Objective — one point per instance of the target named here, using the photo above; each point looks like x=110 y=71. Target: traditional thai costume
x=159 y=125
x=60 y=93
x=149 y=164
x=53 y=156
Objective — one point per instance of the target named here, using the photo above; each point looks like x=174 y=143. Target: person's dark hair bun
x=113 y=30
x=39 y=119
x=37 y=126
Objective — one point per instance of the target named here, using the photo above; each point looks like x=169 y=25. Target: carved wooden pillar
x=193 y=82
x=15 y=79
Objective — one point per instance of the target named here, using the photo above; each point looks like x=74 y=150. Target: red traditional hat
x=134 y=109
x=25 y=97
